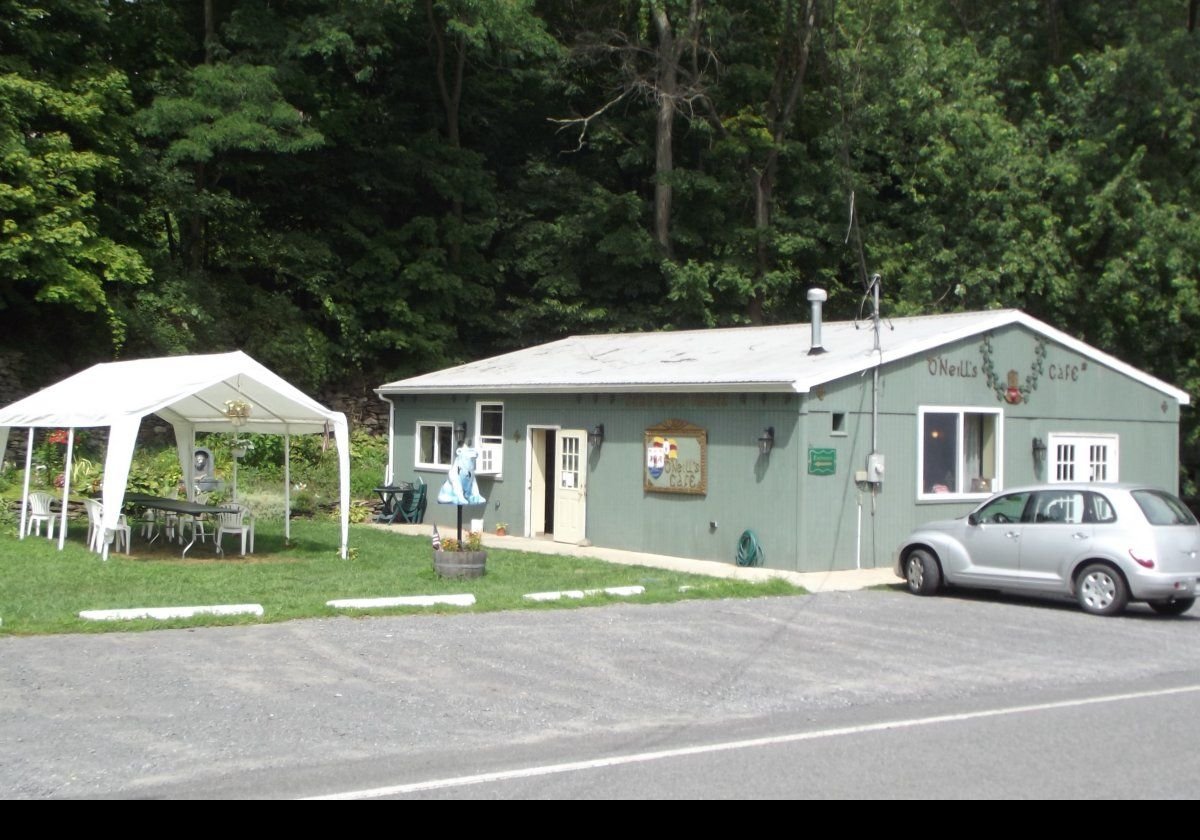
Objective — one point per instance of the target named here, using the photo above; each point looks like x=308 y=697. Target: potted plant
x=501 y=529
x=465 y=559
x=239 y=446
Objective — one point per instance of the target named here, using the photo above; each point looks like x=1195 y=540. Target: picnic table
x=183 y=507
x=393 y=498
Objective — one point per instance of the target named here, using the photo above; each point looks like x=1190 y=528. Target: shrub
x=304 y=503
x=360 y=511
x=264 y=503
x=155 y=473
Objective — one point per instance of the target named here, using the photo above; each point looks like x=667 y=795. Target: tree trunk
x=791 y=68
x=664 y=161
x=450 y=92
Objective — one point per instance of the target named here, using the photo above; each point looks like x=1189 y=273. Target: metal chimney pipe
x=816 y=297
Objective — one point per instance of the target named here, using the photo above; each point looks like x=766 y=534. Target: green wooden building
x=828 y=441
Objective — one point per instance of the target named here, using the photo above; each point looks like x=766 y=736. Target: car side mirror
x=973 y=519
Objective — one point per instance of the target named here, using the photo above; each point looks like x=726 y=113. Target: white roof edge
x=1004 y=318
x=784 y=387
x=807 y=380
x=1103 y=358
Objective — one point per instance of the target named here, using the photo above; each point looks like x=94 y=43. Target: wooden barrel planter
x=460 y=564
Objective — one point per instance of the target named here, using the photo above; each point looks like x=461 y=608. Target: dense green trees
x=356 y=191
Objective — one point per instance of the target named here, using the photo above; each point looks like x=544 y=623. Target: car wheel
x=1172 y=606
x=1101 y=590
x=922 y=573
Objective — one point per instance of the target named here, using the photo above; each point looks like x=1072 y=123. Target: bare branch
x=584 y=122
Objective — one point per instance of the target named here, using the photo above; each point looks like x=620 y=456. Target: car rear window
x=1163 y=508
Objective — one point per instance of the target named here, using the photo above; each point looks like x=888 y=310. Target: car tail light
x=1145 y=562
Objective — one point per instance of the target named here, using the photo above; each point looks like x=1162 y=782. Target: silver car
x=1103 y=544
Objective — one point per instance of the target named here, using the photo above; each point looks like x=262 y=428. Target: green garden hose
x=749 y=552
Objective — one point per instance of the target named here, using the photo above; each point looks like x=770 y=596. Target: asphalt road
x=872 y=694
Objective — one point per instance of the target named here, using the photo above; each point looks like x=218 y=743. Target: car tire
x=922 y=573
x=1172 y=606
x=1101 y=590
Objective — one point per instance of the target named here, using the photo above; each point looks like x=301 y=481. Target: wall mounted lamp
x=596 y=436
x=460 y=432
x=766 y=441
x=1039 y=452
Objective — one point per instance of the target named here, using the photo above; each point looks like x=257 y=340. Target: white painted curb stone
x=465 y=600
x=583 y=593
x=171 y=612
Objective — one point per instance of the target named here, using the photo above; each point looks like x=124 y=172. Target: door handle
x=1078 y=536
x=1012 y=535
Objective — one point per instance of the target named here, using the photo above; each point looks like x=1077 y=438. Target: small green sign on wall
x=822 y=461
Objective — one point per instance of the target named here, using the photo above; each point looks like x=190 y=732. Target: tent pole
x=62 y=523
x=287 y=486
x=25 y=489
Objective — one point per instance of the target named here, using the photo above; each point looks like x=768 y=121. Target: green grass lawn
x=42 y=590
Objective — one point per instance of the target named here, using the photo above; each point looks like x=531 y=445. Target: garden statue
x=460 y=487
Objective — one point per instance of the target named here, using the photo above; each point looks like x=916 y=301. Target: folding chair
x=412 y=503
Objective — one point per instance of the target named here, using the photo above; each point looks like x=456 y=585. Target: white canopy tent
x=193 y=394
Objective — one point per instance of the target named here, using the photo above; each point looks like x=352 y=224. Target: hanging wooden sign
x=675 y=458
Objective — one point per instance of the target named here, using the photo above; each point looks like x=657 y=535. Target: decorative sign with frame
x=675 y=459
x=822 y=461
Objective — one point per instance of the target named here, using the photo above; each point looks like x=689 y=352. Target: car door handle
x=1078 y=536
x=1012 y=535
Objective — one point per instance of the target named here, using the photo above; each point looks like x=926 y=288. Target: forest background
x=357 y=191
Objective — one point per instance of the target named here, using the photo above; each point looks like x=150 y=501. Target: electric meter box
x=875 y=468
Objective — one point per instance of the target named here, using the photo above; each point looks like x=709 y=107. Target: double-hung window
x=435 y=445
x=959 y=452
x=489 y=438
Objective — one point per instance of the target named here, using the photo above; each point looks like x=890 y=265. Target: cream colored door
x=570 y=483
x=538 y=469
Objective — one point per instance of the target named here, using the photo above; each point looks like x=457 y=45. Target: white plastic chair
x=239 y=520
x=39 y=512
x=121 y=533
x=160 y=522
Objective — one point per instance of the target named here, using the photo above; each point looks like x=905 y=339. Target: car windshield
x=1163 y=508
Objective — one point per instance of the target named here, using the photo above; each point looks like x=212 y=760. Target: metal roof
x=737 y=359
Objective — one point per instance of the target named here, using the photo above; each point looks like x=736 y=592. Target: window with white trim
x=958 y=452
x=489 y=438
x=1083 y=457
x=434 y=446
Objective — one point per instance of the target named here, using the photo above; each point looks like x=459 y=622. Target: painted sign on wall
x=675 y=458
x=822 y=461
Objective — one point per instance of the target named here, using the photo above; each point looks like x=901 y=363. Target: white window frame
x=436 y=425
x=489 y=448
x=960 y=465
x=1112 y=466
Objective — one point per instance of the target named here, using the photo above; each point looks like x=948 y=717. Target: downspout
x=389 y=475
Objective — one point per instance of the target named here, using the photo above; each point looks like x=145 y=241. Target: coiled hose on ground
x=749 y=552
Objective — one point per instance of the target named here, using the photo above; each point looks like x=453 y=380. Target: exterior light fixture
x=460 y=432
x=596 y=436
x=237 y=411
x=1039 y=452
x=766 y=441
